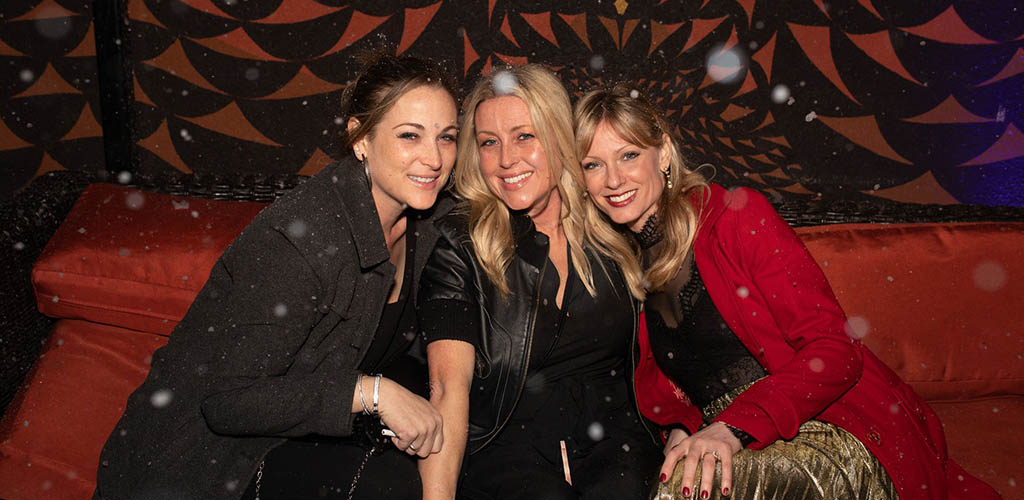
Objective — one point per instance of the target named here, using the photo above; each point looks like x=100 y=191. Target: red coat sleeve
x=823 y=362
x=661 y=401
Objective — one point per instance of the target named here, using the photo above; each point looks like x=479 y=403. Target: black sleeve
x=447 y=306
x=256 y=314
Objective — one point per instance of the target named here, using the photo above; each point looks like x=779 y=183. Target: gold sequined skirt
x=822 y=461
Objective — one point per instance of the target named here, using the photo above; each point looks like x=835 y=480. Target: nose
x=432 y=156
x=508 y=156
x=614 y=179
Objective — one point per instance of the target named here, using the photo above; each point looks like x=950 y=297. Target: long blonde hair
x=490 y=226
x=632 y=115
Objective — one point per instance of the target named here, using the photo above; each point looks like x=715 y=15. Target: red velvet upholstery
x=132 y=259
x=940 y=303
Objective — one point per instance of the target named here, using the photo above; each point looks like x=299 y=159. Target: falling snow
x=161 y=398
x=504 y=83
x=780 y=94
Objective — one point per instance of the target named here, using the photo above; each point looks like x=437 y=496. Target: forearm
x=440 y=472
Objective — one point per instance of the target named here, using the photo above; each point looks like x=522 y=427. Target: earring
x=668 y=178
x=359 y=155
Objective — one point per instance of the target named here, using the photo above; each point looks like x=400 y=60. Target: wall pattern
x=837 y=99
x=49 y=97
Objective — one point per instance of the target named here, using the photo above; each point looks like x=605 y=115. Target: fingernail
x=686 y=492
x=663 y=477
x=725 y=491
x=704 y=495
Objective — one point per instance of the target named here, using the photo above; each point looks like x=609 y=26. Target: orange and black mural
x=913 y=101
x=49 y=90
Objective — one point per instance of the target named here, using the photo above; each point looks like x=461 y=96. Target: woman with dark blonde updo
x=271 y=385
x=745 y=363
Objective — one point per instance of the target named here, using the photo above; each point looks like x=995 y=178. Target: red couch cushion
x=992 y=451
x=134 y=259
x=936 y=302
x=51 y=435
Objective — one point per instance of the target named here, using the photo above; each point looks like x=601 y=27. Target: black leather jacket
x=506 y=321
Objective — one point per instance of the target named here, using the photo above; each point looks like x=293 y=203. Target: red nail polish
x=704 y=495
x=725 y=491
x=686 y=492
x=663 y=477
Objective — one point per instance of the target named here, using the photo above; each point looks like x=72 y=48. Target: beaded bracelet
x=744 y=438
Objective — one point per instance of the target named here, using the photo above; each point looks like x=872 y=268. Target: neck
x=548 y=219
x=392 y=217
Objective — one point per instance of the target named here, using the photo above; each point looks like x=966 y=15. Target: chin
x=421 y=202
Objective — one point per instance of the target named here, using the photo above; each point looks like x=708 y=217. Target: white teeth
x=513 y=180
x=622 y=196
x=422 y=180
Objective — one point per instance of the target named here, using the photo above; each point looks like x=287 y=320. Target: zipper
x=526 y=359
x=632 y=375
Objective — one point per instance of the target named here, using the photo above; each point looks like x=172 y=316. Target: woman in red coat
x=744 y=359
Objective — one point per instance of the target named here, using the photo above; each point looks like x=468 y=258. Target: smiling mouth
x=517 y=179
x=619 y=198
x=422 y=180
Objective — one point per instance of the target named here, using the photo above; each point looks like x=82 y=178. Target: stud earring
x=359 y=155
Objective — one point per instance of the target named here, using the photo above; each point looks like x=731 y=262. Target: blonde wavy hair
x=632 y=115
x=489 y=220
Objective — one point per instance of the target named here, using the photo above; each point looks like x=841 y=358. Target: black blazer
x=269 y=348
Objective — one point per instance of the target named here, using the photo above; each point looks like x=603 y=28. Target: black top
x=583 y=344
x=397 y=327
x=595 y=346
x=701 y=354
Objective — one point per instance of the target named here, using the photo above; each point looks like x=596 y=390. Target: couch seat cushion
x=992 y=451
x=51 y=436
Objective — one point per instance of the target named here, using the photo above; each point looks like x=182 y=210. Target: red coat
x=772 y=294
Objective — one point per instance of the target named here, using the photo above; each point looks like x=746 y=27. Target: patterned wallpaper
x=49 y=91
x=837 y=99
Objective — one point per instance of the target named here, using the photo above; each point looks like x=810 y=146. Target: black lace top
x=691 y=342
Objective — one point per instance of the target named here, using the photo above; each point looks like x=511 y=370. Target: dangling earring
x=362 y=160
x=668 y=178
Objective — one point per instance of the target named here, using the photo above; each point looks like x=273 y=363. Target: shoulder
x=454 y=225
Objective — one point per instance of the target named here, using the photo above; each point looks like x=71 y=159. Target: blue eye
x=525 y=136
x=590 y=165
x=409 y=136
x=447 y=137
x=630 y=155
x=488 y=142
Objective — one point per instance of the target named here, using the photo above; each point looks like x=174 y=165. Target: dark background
x=917 y=101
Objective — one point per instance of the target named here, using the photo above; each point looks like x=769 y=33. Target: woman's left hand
x=712 y=443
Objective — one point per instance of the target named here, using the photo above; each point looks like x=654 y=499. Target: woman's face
x=512 y=160
x=411 y=152
x=624 y=180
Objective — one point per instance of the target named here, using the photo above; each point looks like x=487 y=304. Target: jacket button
x=354 y=346
x=873 y=434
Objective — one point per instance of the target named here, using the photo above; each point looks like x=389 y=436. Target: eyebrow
x=421 y=127
x=628 y=144
x=517 y=127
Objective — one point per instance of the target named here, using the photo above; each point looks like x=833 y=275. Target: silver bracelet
x=362 y=400
x=376 y=394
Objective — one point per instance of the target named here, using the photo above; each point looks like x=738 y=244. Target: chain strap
x=359 y=472
x=351 y=488
x=259 y=477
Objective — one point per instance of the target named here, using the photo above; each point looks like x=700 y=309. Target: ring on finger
x=411 y=447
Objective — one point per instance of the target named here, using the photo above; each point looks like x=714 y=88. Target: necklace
x=650 y=234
